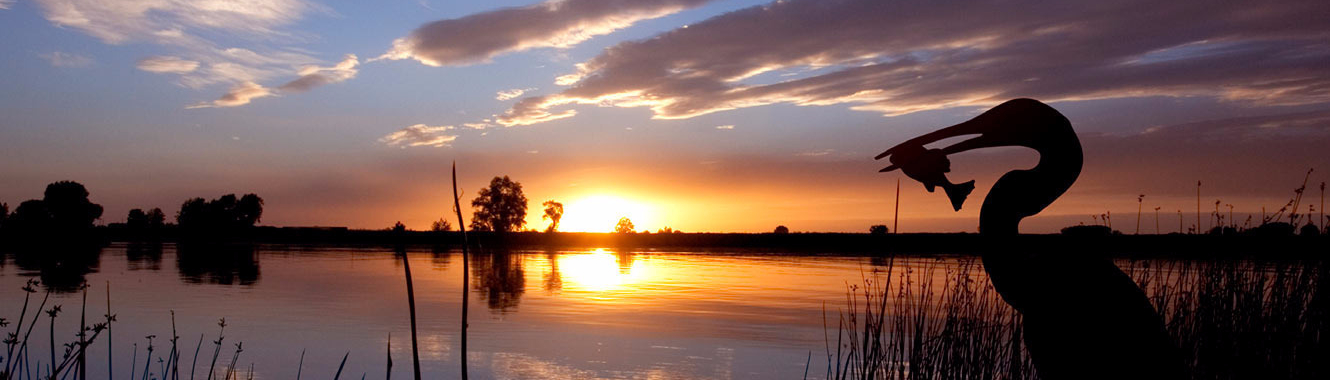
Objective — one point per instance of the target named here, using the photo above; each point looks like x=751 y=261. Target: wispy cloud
x=551 y=24
x=62 y=59
x=314 y=76
x=121 y=21
x=194 y=31
x=5 y=4
x=420 y=135
x=513 y=93
x=167 y=64
x=817 y=153
x=897 y=57
x=727 y=126
x=238 y=96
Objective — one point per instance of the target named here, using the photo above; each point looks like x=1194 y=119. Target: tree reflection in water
x=224 y=264
x=144 y=256
x=499 y=278
x=62 y=268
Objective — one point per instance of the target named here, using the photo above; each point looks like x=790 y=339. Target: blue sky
x=804 y=93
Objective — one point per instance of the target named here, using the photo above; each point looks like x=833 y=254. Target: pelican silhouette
x=1082 y=316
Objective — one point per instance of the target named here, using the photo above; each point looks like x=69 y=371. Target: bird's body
x=1083 y=317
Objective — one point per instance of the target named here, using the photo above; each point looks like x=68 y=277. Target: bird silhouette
x=1083 y=318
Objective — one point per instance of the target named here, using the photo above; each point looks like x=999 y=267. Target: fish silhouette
x=928 y=166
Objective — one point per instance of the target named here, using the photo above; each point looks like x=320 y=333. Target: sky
x=718 y=116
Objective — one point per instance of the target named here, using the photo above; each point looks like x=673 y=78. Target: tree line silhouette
x=66 y=210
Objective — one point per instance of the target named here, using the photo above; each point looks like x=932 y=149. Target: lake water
x=604 y=313
x=577 y=314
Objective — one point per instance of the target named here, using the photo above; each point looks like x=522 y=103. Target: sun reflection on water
x=601 y=271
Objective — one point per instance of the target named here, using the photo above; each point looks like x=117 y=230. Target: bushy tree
x=68 y=203
x=781 y=230
x=226 y=212
x=136 y=219
x=156 y=218
x=877 y=229
x=501 y=207
x=31 y=214
x=4 y=214
x=139 y=219
x=553 y=212
x=64 y=206
x=624 y=226
x=441 y=225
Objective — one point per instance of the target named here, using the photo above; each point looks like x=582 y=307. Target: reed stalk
x=466 y=269
x=411 y=304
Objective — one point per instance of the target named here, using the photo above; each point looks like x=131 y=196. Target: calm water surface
x=580 y=314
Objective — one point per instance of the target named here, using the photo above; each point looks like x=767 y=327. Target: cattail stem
x=466 y=268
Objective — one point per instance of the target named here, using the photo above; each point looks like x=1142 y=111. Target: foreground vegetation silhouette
x=1082 y=317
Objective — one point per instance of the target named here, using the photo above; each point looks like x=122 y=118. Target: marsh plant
x=1232 y=319
x=67 y=357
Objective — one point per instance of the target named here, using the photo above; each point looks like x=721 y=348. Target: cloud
x=167 y=64
x=511 y=94
x=191 y=31
x=314 y=76
x=121 y=21
x=310 y=77
x=420 y=135
x=238 y=96
x=727 y=126
x=896 y=57
x=62 y=59
x=5 y=4
x=551 y=24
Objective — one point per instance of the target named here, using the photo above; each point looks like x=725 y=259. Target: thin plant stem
x=466 y=268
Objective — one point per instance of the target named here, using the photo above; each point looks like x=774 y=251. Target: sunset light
x=600 y=271
x=665 y=189
x=599 y=213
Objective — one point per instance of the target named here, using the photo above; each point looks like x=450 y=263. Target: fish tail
x=958 y=193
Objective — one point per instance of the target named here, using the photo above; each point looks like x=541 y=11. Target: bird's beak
x=970 y=127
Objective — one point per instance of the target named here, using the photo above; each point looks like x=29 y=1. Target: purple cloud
x=897 y=57
x=551 y=24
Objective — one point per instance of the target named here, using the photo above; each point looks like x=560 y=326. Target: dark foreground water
x=616 y=314
x=596 y=313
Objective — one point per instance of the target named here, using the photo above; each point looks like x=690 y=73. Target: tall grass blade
x=466 y=269
x=343 y=365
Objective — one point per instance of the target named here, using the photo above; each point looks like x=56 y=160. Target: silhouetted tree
x=156 y=218
x=877 y=229
x=64 y=206
x=31 y=215
x=4 y=214
x=441 y=225
x=668 y=230
x=67 y=201
x=399 y=227
x=624 y=226
x=226 y=212
x=136 y=219
x=501 y=207
x=249 y=210
x=553 y=212
x=782 y=230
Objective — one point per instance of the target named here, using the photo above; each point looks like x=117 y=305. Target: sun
x=599 y=213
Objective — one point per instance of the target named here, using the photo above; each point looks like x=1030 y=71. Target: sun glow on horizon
x=599 y=213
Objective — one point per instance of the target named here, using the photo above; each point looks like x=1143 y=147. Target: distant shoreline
x=1189 y=246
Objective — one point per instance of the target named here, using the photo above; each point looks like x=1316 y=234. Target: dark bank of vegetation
x=1231 y=319
x=66 y=215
